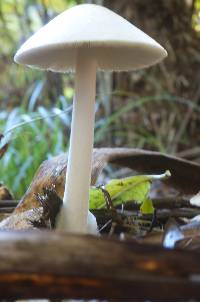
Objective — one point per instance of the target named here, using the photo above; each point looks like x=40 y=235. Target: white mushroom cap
x=114 y=42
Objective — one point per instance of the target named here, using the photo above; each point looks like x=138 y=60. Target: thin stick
x=8 y=203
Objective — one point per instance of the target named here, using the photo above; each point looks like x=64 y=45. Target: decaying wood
x=25 y=220
x=88 y=267
x=40 y=217
x=185 y=174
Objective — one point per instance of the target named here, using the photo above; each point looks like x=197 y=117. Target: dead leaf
x=185 y=174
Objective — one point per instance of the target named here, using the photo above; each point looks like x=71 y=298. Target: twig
x=161 y=203
x=8 y=203
x=110 y=207
x=6 y=209
x=162 y=214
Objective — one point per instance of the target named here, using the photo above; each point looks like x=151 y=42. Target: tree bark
x=54 y=265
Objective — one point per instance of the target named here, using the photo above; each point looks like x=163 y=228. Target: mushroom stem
x=74 y=213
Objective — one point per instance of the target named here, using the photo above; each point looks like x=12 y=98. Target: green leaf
x=121 y=190
x=134 y=188
x=147 y=207
x=96 y=198
x=136 y=191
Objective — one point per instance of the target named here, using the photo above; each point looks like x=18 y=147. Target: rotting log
x=37 y=264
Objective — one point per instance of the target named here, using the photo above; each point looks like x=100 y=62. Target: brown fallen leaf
x=185 y=174
x=41 y=217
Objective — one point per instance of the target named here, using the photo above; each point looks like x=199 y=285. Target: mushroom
x=83 y=39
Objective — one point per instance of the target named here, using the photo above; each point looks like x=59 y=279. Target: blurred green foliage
x=34 y=136
x=31 y=143
x=24 y=92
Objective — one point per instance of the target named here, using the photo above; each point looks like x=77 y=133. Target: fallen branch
x=6 y=209
x=161 y=203
x=32 y=218
x=171 y=202
x=8 y=203
x=8 y=206
x=103 y=215
x=49 y=265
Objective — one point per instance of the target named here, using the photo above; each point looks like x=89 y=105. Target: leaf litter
x=127 y=207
